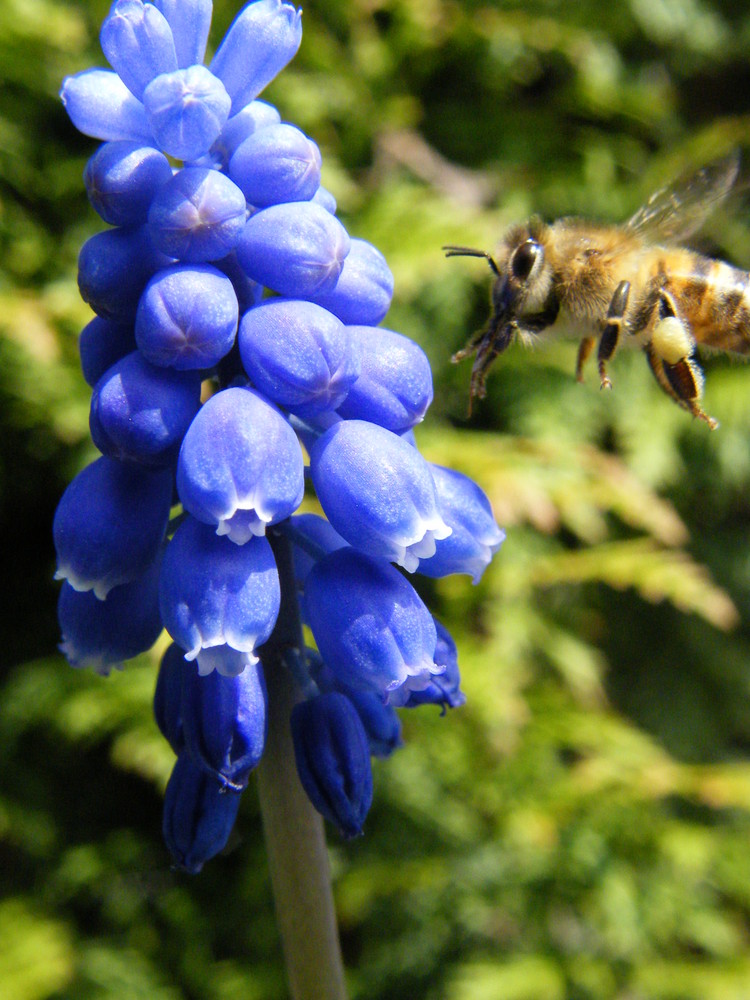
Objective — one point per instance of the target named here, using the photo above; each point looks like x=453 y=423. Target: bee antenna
x=452 y=251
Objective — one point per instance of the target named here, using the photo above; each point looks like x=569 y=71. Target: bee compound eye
x=524 y=259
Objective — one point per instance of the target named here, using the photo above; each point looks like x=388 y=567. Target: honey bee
x=635 y=284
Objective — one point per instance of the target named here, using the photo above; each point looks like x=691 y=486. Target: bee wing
x=673 y=213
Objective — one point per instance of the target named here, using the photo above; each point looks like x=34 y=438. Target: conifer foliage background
x=580 y=830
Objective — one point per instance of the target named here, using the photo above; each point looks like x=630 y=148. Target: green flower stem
x=295 y=837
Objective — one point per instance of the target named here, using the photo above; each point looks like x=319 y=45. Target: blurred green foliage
x=581 y=829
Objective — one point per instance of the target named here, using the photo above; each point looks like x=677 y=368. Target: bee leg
x=471 y=346
x=682 y=382
x=584 y=350
x=493 y=342
x=611 y=333
x=673 y=343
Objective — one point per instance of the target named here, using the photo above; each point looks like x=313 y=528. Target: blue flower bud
x=140 y=412
x=394 y=387
x=101 y=343
x=363 y=293
x=313 y=537
x=109 y=524
x=168 y=697
x=381 y=723
x=256 y=115
x=261 y=40
x=298 y=354
x=190 y=21
x=121 y=180
x=100 y=105
x=224 y=722
x=475 y=536
x=377 y=492
x=297 y=250
x=248 y=292
x=137 y=41
x=370 y=626
x=186 y=110
x=333 y=760
x=444 y=688
x=276 y=164
x=102 y=634
x=198 y=216
x=240 y=466
x=198 y=815
x=325 y=199
x=187 y=317
x=113 y=269
x=216 y=593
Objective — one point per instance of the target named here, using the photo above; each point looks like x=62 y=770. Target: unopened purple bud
x=240 y=467
x=248 y=292
x=216 y=593
x=198 y=216
x=381 y=723
x=394 y=387
x=363 y=293
x=109 y=524
x=186 y=110
x=121 y=180
x=371 y=627
x=261 y=40
x=101 y=106
x=298 y=354
x=224 y=722
x=325 y=199
x=101 y=635
x=190 y=21
x=114 y=267
x=187 y=317
x=199 y=815
x=102 y=342
x=377 y=492
x=140 y=413
x=168 y=697
x=297 y=250
x=276 y=164
x=255 y=115
x=333 y=760
x=313 y=538
x=475 y=536
x=137 y=41
x=444 y=689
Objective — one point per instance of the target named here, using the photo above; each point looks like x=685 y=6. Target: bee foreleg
x=584 y=350
x=494 y=341
x=611 y=333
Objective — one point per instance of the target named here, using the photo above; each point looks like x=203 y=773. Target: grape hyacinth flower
x=236 y=327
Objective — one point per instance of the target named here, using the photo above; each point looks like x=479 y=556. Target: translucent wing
x=673 y=213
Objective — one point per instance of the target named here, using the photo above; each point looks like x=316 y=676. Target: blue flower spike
x=237 y=329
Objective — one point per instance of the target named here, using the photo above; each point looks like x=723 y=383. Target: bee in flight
x=635 y=284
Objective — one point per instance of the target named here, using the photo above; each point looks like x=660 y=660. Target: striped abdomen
x=714 y=299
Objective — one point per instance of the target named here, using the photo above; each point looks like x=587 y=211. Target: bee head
x=520 y=294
